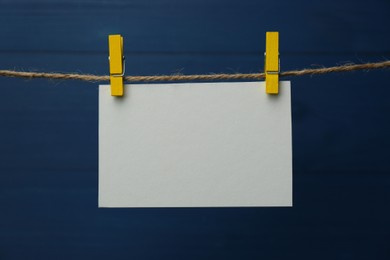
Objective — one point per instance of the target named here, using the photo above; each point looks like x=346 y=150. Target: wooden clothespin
x=272 y=65
x=117 y=64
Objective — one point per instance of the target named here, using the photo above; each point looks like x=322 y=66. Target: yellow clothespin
x=272 y=65
x=117 y=64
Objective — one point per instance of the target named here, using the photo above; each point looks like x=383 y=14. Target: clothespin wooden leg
x=117 y=66
x=271 y=66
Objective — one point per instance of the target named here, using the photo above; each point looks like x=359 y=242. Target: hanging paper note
x=195 y=145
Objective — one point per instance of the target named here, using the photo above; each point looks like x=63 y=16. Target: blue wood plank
x=230 y=26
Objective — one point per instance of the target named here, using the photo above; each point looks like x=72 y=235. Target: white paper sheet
x=195 y=145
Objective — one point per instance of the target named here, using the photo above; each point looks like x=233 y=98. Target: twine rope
x=204 y=77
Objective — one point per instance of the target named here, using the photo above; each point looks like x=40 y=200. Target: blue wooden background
x=48 y=129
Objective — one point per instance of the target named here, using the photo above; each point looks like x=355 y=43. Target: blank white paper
x=195 y=145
